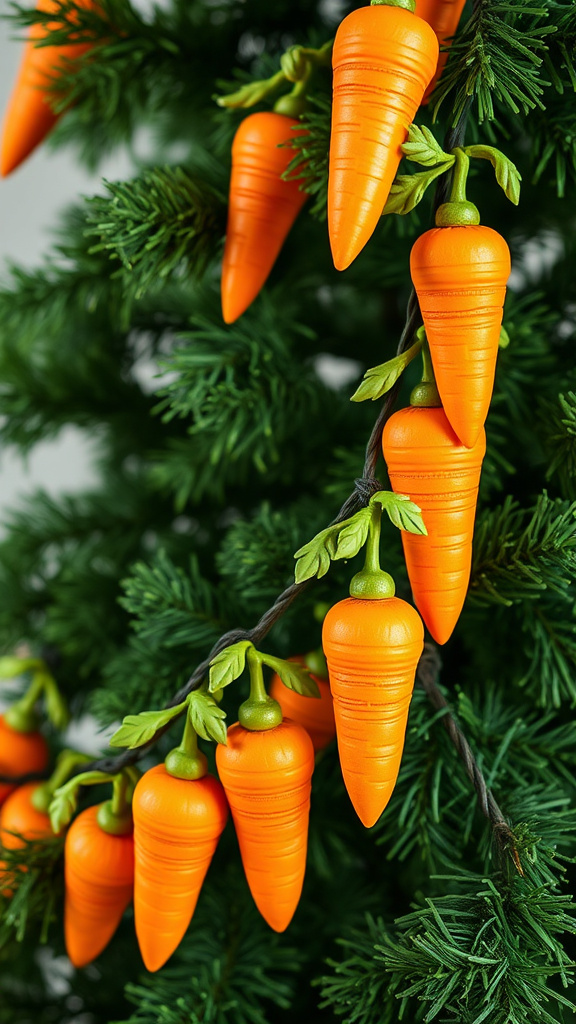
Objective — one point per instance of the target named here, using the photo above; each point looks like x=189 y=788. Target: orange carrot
x=443 y=16
x=267 y=775
x=20 y=822
x=262 y=208
x=460 y=275
x=29 y=116
x=372 y=648
x=177 y=825
x=313 y=714
x=21 y=753
x=426 y=461
x=99 y=878
x=384 y=57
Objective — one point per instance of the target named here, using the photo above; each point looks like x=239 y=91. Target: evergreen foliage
x=221 y=450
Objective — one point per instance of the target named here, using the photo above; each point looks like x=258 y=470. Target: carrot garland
x=98 y=862
x=384 y=57
x=426 y=460
x=266 y=770
x=29 y=116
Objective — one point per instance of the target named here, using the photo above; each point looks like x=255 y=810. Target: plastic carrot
x=23 y=749
x=372 y=641
x=443 y=16
x=262 y=207
x=98 y=863
x=314 y=715
x=266 y=769
x=426 y=460
x=29 y=117
x=179 y=814
x=460 y=270
x=24 y=816
x=383 y=59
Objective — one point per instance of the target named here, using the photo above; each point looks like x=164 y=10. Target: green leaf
x=379 y=379
x=401 y=511
x=408 y=189
x=56 y=707
x=63 y=806
x=207 y=719
x=228 y=665
x=252 y=93
x=313 y=558
x=353 y=536
x=136 y=730
x=423 y=148
x=507 y=174
x=296 y=677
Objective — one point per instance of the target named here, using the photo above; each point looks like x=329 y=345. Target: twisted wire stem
x=364 y=487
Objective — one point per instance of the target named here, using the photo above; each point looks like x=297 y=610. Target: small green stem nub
x=22 y=716
x=409 y=5
x=187 y=760
x=115 y=815
x=66 y=763
x=425 y=395
x=259 y=712
x=372 y=583
x=458 y=212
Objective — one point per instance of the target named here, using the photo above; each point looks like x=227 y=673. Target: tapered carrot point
x=267 y=778
x=383 y=59
x=29 y=117
x=99 y=878
x=177 y=825
x=372 y=648
x=460 y=276
x=427 y=461
x=262 y=208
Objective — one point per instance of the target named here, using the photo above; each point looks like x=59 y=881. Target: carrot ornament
x=459 y=270
x=30 y=117
x=24 y=816
x=98 y=862
x=23 y=749
x=426 y=460
x=263 y=201
x=316 y=716
x=266 y=769
x=372 y=641
x=179 y=815
x=384 y=57
x=443 y=16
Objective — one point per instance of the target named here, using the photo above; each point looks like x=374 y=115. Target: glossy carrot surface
x=29 y=116
x=20 y=754
x=383 y=59
x=460 y=276
x=177 y=825
x=314 y=714
x=267 y=778
x=21 y=822
x=444 y=17
x=426 y=460
x=372 y=649
x=99 y=879
x=262 y=207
